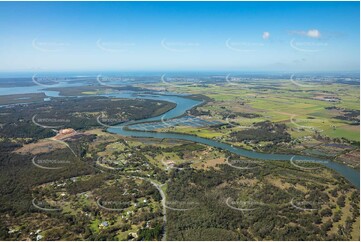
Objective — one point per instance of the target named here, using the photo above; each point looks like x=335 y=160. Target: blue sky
x=173 y=36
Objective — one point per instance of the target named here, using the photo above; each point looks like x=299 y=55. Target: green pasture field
x=280 y=105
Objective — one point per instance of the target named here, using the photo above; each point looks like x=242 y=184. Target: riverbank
x=350 y=174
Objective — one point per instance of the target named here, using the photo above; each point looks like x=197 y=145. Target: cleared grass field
x=279 y=101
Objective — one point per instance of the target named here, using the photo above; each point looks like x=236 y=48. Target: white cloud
x=312 y=33
x=266 y=35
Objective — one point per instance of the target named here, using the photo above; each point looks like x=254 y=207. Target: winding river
x=184 y=104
